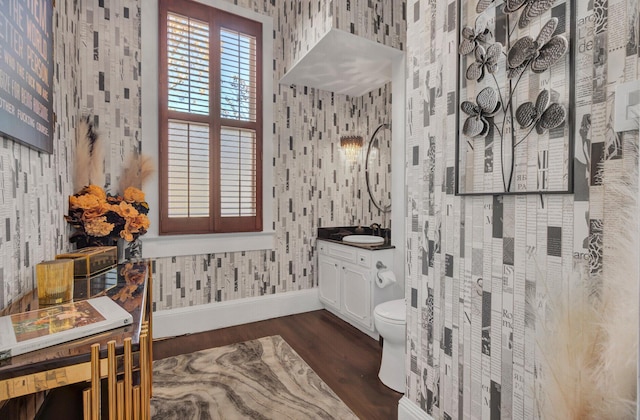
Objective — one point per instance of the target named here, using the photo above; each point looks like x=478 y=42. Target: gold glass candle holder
x=55 y=282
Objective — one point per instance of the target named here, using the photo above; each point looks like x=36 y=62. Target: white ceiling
x=344 y=63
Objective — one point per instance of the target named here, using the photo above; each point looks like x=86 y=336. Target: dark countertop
x=335 y=234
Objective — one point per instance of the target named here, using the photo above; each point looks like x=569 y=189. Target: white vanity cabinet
x=329 y=285
x=346 y=282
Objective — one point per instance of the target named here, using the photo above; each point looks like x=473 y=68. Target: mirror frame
x=383 y=209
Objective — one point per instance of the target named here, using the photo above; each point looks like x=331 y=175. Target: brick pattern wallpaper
x=109 y=79
x=313 y=185
x=477 y=266
x=97 y=72
x=35 y=186
x=304 y=23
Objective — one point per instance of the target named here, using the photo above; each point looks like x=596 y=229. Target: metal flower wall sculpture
x=494 y=106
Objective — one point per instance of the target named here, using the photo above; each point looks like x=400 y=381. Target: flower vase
x=129 y=251
x=135 y=250
x=121 y=245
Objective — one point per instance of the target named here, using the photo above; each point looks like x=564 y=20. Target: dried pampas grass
x=90 y=165
x=616 y=374
x=569 y=350
x=136 y=172
x=589 y=348
x=89 y=156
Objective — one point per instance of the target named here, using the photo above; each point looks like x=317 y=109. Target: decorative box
x=89 y=286
x=92 y=260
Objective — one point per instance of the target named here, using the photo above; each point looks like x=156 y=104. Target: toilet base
x=392 y=366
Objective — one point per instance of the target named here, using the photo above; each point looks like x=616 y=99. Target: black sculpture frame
x=514 y=169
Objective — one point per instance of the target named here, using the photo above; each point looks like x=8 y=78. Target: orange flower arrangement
x=101 y=218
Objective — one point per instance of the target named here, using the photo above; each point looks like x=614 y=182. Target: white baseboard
x=211 y=316
x=408 y=410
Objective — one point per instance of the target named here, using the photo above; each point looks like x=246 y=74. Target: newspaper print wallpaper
x=477 y=265
x=109 y=77
x=313 y=186
x=98 y=71
x=471 y=261
x=34 y=186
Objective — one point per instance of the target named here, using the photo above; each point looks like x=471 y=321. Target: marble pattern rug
x=258 y=379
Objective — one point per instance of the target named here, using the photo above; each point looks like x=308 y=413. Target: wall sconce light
x=351 y=145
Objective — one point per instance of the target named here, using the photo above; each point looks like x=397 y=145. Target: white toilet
x=391 y=321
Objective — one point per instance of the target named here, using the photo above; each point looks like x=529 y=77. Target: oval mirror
x=377 y=168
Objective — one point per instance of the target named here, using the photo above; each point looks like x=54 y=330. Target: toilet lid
x=394 y=310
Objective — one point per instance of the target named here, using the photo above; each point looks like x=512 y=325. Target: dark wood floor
x=345 y=358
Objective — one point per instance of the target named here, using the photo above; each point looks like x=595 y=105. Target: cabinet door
x=329 y=281
x=356 y=294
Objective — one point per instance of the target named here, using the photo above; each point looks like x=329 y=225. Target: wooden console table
x=123 y=355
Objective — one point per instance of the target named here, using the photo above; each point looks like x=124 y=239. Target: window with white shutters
x=210 y=99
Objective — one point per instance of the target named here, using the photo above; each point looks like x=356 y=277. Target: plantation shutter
x=237 y=172
x=188 y=169
x=211 y=120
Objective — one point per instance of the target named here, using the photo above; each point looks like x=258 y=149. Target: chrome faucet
x=375 y=227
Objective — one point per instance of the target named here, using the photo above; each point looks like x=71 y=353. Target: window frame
x=155 y=244
x=217 y=20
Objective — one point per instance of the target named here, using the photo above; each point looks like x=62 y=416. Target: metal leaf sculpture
x=541 y=53
x=544 y=118
x=484 y=60
x=532 y=9
x=472 y=37
x=538 y=55
x=486 y=106
x=483 y=5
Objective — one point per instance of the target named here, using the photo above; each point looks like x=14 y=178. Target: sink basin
x=363 y=239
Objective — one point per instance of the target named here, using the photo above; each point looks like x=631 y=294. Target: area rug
x=258 y=379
